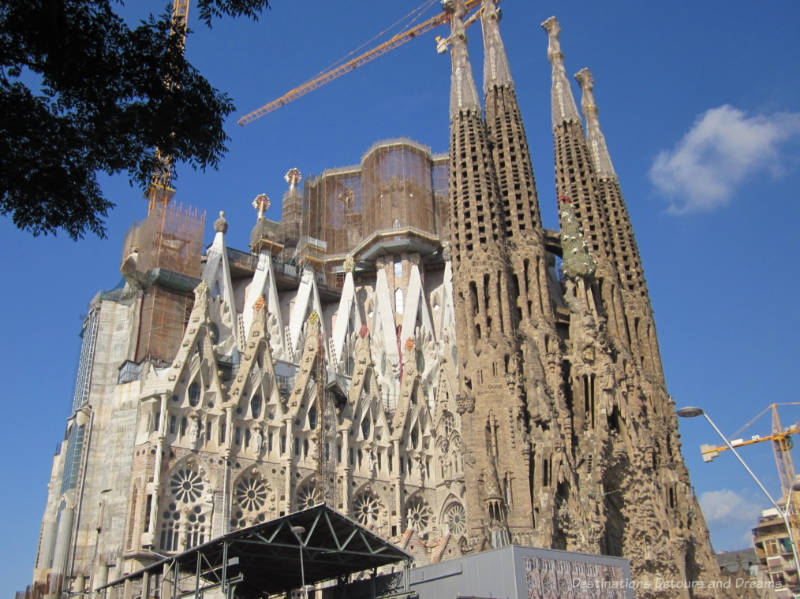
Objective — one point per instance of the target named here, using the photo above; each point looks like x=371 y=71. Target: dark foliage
x=81 y=93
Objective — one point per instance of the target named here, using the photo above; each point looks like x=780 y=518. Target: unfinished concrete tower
x=496 y=466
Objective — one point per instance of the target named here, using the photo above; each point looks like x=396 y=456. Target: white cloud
x=726 y=507
x=723 y=148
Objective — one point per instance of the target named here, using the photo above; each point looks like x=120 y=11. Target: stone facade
x=455 y=378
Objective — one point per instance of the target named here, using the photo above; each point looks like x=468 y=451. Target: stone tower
x=539 y=347
x=627 y=456
x=637 y=312
x=496 y=467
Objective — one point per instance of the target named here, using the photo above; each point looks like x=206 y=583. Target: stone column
x=63 y=537
x=49 y=531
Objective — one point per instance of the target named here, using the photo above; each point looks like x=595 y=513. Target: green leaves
x=83 y=93
x=210 y=9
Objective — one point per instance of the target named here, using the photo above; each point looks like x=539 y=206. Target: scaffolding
x=333 y=209
x=441 y=199
x=171 y=238
x=398 y=188
x=399 y=185
x=163 y=319
x=168 y=248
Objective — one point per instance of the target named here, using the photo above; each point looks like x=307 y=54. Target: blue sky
x=700 y=106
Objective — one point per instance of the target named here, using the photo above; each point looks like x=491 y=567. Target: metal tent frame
x=305 y=547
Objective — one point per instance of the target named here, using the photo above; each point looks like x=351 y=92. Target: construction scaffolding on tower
x=399 y=186
x=161 y=255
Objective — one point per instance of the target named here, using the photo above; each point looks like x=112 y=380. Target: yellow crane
x=782 y=444
x=329 y=75
x=159 y=191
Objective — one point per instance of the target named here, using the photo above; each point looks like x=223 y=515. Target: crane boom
x=782 y=444
x=159 y=190
x=328 y=76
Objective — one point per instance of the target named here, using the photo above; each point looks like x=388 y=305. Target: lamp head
x=690 y=412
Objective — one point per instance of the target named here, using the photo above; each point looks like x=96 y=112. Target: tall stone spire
x=541 y=359
x=563 y=104
x=463 y=93
x=495 y=64
x=576 y=181
x=575 y=175
x=484 y=303
x=594 y=136
x=640 y=326
x=512 y=163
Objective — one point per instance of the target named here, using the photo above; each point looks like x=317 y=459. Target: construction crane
x=159 y=191
x=327 y=76
x=782 y=444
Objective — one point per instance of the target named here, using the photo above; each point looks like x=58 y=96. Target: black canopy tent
x=265 y=558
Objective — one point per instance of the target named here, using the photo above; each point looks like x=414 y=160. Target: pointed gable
x=255 y=385
x=417 y=315
x=348 y=318
x=263 y=285
x=306 y=301
x=217 y=275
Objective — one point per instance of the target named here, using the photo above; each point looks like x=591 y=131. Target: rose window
x=418 y=515
x=367 y=509
x=307 y=496
x=251 y=494
x=186 y=485
x=456 y=519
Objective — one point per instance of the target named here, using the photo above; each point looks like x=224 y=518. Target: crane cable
x=764 y=411
x=412 y=18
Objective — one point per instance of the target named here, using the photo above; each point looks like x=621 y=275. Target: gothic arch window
x=255 y=405
x=452 y=452
x=419 y=515
x=193 y=394
x=252 y=497
x=308 y=495
x=455 y=519
x=447 y=424
x=186 y=485
x=184 y=522
x=368 y=509
x=170 y=527
x=195 y=527
x=365 y=425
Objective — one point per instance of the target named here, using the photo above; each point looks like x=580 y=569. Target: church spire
x=563 y=104
x=512 y=164
x=638 y=314
x=594 y=136
x=463 y=94
x=495 y=65
x=576 y=179
x=485 y=301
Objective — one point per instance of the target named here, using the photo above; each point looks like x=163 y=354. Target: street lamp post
x=298 y=531
x=693 y=412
